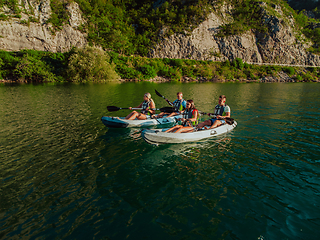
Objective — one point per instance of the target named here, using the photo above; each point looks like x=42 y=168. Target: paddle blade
x=229 y=121
x=159 y=94
x=167 y=109
x=113 y=108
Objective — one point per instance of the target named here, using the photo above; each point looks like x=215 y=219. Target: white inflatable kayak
x=120 y=122
x=156 y=136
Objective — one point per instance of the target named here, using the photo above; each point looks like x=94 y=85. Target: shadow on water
x=157 y=192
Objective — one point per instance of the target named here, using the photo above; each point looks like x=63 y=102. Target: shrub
x=175 y=74
x=299 y=78
x=289 y=70
x=90 y=64
x=238 y=63
x=3 y=17
x=176 y=62
x=127 y=72
x=32 y=69
x=148 y=71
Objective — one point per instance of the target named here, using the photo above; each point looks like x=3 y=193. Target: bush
x=289 y=70
x=32 y=69
x=90 y=64
x=238 y=63
x=127 y=72
x=175 y=74
x=176 y=62
x=3 y=17
x=148 y=71
x=299 y=78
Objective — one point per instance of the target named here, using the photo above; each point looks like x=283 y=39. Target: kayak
x=121 y=122
x=156 y=136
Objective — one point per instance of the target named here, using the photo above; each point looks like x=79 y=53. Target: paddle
x=164 y=109
x=160 y=95
x=228 y=120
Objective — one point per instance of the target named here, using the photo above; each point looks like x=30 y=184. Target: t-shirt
x=218 y=107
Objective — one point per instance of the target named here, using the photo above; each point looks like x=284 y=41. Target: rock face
x=279 y=46
x=19 y=33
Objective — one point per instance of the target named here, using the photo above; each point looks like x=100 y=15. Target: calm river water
x=64 y=175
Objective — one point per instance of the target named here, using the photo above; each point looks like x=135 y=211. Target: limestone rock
x=280 y=45
x=17 y=34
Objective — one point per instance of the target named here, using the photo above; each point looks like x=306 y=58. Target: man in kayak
x=189 y=119
x=221 y=111
x=179 y=105
x=147 y=105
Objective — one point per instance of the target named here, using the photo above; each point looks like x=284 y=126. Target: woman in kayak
x=221 y=111
x=189 y=119
x=147 y=105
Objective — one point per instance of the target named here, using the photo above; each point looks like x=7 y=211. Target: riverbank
x=95 y=65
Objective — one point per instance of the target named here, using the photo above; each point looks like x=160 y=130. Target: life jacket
x=219 y=110
x=178 y=105
x=190 y=114
x=145 y=105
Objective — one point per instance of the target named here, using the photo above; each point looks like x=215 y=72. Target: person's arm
x=140 y=105
x=170 y=103
x=152 y=106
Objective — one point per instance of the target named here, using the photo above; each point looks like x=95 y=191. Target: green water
x=64 y=175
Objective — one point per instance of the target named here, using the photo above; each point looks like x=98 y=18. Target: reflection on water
x=65 y=175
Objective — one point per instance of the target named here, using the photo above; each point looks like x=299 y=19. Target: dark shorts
x=214 y=119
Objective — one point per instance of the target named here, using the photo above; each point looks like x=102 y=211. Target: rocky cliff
x=21 y=33
x=281 y=45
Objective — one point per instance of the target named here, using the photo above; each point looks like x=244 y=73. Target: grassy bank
x=94 y=65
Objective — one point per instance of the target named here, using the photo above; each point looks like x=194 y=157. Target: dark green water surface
x=64 y=175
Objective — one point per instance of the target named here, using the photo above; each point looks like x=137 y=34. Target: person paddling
x=190 y=119
x=179 y=105
x=147 y=105
x=221 y=111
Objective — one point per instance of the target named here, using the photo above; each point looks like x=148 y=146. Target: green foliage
x=238 y=63
x=289 y=70
x=12 y=4
x=33 y=19
x=31 y=69
x=246 y=15
x=132 y=27
x=90 y=65
x=59 y=15
x=24 y=22
x=3 y=17
x=299 y=78
x=148 y=71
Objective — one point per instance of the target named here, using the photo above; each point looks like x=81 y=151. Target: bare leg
x=205 y=123
x=174 y=128
x=185 y=129
x=142 y=116
x=216 y=123
x=160 y=115
x=130 y=115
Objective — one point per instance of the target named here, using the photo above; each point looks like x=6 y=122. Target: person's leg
x=205 y=123
x=141 y=116
x=130 y=115
x=216 y=123
x=174 y=128
x=184 y=130
x=160 y=115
